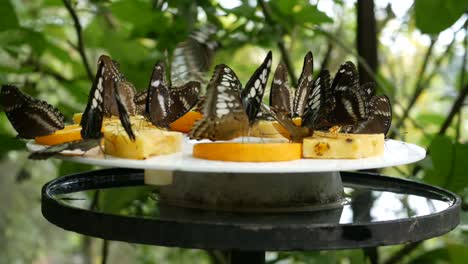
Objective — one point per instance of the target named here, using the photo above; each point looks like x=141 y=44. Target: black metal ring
x=244 y=236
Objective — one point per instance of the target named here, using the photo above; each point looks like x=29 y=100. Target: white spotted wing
x=252 y=94
x=224 y=117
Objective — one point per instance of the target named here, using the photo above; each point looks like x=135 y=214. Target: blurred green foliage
x=39 y=52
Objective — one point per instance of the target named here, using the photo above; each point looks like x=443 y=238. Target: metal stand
x=430 y=212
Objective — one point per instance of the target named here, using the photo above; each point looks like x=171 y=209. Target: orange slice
x=185 y=123
x=67 y=134
x=248 y=152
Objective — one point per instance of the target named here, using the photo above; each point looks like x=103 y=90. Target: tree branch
x=284 y=52
x=80 y=47
x=457 y=105
x=396 y=258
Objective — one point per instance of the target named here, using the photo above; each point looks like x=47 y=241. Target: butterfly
x=281 y=97
x=166 y=104
x=111 y=76
x=379 y=119
x=303 y=85
x=228 y=110
x=252 y=94
x=193 y=56
x=320 y=101
x=351 y=102
x=30 y=117
x=224 y=117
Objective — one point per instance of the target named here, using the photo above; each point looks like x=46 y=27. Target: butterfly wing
x=296 y=133
x=183 y=99
x=252 y=94
x=193 y=57
x=112 y=75
x=351 y=106
x=303 y=86
x=30 y=117
x=224 y=117
x=91 y=121
x=320 y=102
x=164 y=104
x=380 y=117
x=140 y=102
x=280 y=96
x=83 y=145
x=123 y=114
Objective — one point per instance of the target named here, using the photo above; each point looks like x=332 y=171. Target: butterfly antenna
x=123 y=114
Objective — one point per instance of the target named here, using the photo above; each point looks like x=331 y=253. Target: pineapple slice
x=323 y=145
x=149 y=141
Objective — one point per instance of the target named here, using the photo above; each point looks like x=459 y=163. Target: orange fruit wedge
x=248 y=152
x=186 y=122
x=67 y=134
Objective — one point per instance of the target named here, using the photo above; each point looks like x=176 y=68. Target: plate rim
x=247 y=167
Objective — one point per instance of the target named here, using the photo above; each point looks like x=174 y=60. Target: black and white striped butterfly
x=252 y=94
x=351 y=102
x=193 y=57
x=379 y=119
x=30 y=117
x=224 y=117
x=320 y=101
x=166 y=104
x=280 y=94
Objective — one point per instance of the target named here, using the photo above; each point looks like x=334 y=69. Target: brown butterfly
x=224 y=117
x=30 y=117
x=166 y=104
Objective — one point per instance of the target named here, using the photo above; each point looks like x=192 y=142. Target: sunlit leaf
x=433 y=16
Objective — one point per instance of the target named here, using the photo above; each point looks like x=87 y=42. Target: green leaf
x=439 y=255
x=441 y=150
x=8 y=19
x=310 y=14
x=458 y=180
x=22 y=36
x=434 y=16
x=430 y=119
x=458 y=253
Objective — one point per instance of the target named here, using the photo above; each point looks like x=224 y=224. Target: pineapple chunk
x=150 y=141
x=342 y=146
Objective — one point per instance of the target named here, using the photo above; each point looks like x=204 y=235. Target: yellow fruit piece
x=185 y=123
x=77 y=118
x=323 y=145
x=248 y=152
x=67 y=134
x=150 y=141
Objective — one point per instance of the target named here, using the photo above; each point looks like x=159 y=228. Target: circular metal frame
x=246 y=236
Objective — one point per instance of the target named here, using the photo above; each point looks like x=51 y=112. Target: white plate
x=395 y=153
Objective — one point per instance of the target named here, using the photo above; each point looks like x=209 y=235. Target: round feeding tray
x=396 y=211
